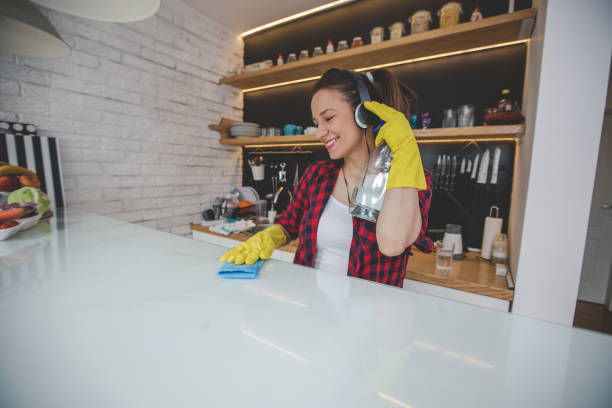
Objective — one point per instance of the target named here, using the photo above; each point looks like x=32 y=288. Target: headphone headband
x=364 y=94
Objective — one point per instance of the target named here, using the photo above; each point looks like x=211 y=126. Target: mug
x=298 y=130
x=289 y=130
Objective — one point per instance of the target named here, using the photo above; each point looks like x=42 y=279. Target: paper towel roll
x=492 y=227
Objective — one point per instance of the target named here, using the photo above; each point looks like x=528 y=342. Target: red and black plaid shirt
x=301 y=219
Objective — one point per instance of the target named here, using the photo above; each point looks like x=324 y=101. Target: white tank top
x=334 y=236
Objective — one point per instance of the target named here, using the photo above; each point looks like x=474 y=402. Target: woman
x=330 y=239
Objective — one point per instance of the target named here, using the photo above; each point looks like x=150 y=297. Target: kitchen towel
x=244 y=271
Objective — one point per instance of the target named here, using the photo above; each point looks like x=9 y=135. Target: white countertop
x=96 y=312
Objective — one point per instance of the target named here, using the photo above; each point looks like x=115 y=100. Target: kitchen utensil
x=465 y=115
x=419 y=21
x=496 y=159
x=444 y=255
x=448 y=172
x=449 y=118
x=453 y=173
x=462 y=170
x=492 y=227
x=453 y=236
x=437 y=169
x=296 y=178
x=475 y=167
x=299 y=130
x=484 y=168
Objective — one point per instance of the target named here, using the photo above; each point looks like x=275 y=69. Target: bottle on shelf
x=330 y=47
x=280 y=60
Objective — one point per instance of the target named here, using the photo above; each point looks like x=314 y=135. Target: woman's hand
x=258 y=246
x=406 y=166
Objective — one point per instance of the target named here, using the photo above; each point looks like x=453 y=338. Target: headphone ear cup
x=360 y=117
x=364 y=118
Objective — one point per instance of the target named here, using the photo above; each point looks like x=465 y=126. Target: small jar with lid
x=342 y=45
x=280 y=60
x=357 y=42
x=330 y=47
x=396 y=30
x=304 y=54
x=449 y=14
x=419 y=21
x=291 y=57
x=317 y=51
x=377 y=34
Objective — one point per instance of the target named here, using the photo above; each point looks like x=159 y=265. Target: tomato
x=11 y=214
x=9 y=224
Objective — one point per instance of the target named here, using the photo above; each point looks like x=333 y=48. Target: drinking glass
x=444 y=255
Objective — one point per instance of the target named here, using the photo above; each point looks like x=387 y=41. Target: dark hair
x=385 y=89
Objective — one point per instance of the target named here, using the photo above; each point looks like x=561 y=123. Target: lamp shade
x=119 y=11
x=24 y=30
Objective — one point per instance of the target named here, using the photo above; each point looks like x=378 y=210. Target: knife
x=454 y=172
x=475 y=167
x=448 y=172
x=462 y=166
x=442 y=170
x=296 y=179
x=496 y=158
x=469 y=166
x=484 y=168
x=436 y=179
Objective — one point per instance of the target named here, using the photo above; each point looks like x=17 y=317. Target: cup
x=299 y=130
x=261 y=208
x=289 y=130
x=444 y=255
x=259 y=172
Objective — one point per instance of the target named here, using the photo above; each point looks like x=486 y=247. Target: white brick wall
x=131 y=107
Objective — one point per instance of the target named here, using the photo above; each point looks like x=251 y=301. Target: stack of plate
x=244 y=129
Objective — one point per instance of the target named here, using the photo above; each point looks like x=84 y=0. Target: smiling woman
x=329 y=237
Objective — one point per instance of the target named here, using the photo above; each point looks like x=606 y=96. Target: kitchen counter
x=96 y=312
x=469 y=275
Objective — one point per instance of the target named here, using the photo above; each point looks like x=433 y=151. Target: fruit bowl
x=9 y=232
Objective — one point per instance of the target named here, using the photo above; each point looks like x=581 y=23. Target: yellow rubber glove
x=406 y=166
x=258 y=246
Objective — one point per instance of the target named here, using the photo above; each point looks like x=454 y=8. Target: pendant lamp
x=24 y=30
x=118 y=11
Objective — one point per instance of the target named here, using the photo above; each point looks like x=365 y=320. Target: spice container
x=330 y=47
x=357 y=42
x=304 y=54
x=317 y=51
x=291 y=57
x=396 y=30
x=419 y=21
x=342 y=45
x=476 y=15
x=449 y=14
x=377 y=34
x=280 y=60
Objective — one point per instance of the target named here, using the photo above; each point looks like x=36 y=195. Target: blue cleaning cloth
x=244 y=271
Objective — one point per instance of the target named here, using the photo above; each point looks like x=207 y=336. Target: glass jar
x=499 y=249
x=449 y=118
x=304 y=54
x=317 y=51
x=419 y=21
x=377 y=34
x=280 y=60
x=449 y=14
x=396 y=30
x=342 y=45
x=330 y=47
x=465 y=115
x=357 y=42
x=291 y=57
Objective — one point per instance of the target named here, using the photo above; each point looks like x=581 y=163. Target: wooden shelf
x=423 y=135
x=486 y=32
